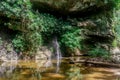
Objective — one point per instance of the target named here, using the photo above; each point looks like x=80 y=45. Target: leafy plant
x=116 y=24
x=27 y=41
x=74 y=73
x=98 y=52
x=22 y=18
x=72 y=39
x=48 y=24
x=34 y=41
x=19 y=43
x=1 y=41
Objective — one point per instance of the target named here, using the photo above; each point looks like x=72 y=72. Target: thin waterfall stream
x=57 y=52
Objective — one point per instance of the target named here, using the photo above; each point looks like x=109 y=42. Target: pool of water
x=54 y=70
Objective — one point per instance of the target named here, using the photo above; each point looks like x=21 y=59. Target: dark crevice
x=45 y=8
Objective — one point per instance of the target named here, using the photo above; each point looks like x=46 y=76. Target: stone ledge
x=71 y=7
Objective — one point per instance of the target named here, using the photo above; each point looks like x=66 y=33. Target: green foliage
x=68 y=35
x=64 y=27
x=1 y=41
x=53 y=26
x=114 y=43
x=15 y=8
x=19 y=43
x=34 y=26
x=21 y=13
x=72 y=39
x=34 y=40
x=117 y=3
x=27 y=41
x=24 y=19
x=116 y=25
x=98 y=52
x=74 y=74
x=48 y=24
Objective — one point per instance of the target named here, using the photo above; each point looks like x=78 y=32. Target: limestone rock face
x=115 y=54
x=95 y=14
x=8 y=54
x=69 y=6
x=43 y=53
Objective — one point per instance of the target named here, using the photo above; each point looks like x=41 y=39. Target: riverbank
x=94 y=61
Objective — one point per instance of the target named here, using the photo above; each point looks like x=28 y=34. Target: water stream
x=57 y=52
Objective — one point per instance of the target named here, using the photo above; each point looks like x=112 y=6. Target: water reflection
x=74 y=73
x=46 y=70
x=6 y=69
x=44 y=63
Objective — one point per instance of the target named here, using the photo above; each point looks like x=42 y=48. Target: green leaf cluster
x=116 y=24
x=23 y=19
x=99 y=52
x=72 y=39
x=19 y=43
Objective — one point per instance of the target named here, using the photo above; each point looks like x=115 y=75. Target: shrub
x=19 y=43
x=48 y=24
x=116 y=24
x=99 y=52
x=72 y=39
x=27 y=42
x=34 y=41
x=22 y=18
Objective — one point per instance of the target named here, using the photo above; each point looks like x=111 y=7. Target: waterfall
x=56 y=48
x=57 y=52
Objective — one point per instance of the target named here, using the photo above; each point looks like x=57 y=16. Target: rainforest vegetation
x=28 y=28
x=59 y=39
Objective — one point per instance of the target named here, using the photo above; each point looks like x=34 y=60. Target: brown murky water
x=53 y=70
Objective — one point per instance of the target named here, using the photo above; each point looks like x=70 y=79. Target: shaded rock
x=70 y=7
